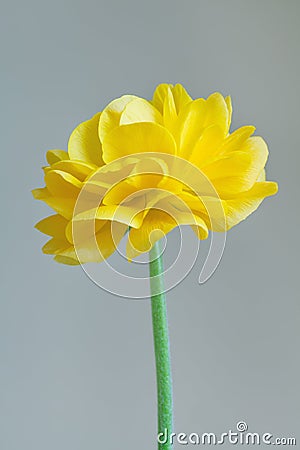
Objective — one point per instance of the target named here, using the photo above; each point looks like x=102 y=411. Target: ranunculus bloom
x=146 y=167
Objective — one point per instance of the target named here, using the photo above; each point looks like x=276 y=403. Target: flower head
x=146 y=167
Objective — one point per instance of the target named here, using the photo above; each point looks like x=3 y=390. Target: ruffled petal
x=240 y=207
x=137 y=138
x=111 y=115
x=229 y=109
x=181 y=97
x=239 y=170
x=217 y=112
x=212 y=210
x=68 y=260
x=53 y=156
x=234 y=141
x=53 y=226
x=190 y=126
x=156 y=224
x=126 y=214
x=140 y=110
x=55 y=246
x=170 y=116
x=207 y=147
x=198 y=115
x=84 y=144
x=62 y=184
x=77 y=169
x=159 y=96
x=101 y=246
x=63 y=206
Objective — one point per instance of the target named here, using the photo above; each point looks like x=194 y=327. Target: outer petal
x=217 y=111
x=63 y=206
x=55 y=246
x=137 y=138
x=155 y=225
x=82 y=228
x=169 y=112
x=159 y=96
x=140 y=110
x=235 y=140
x=190 y=126
x=67 y=259
x=111 y=115
x=207 y=147
x=84 y=144
x=62 y=184
x=77 y=169
x=179 y=94
x=53 y=156
x=211 y=209
x=244 y=204
x=148 y=173
x=181 y=97
x=198 y=115
x=229 y=109
x=107 y=240
x=53 y=226
x=239 y=170
x=126 y=214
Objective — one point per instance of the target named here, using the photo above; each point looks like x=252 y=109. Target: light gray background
x=77 y=367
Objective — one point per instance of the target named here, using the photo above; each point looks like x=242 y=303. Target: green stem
x=161 y=348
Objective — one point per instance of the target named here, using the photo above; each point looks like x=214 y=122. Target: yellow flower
x=146 y=167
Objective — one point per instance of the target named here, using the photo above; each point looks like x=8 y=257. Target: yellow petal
x=169 y=112
x=83 y=227
x=63 y=206
x=234 y=141
x=40 y=193
x=67 y=256
x=84 y=144
x=62 y=259
x=217 y=112
x=109 y=175
x=181 y=97
x=198 y=115
x=101 y=246
x=110 y=117
x=239 y=170
x=140 y=110
x=159 y=96
x=156 y=224
x=244 y=204
x=148 y=173
x=229 y=109
x=207 y=147
x=179 y=94
x=211 y=209
x=53 y=156
x=119 y=193
x=262 y=176
x=77 y=169
x=53 y=226
x=137 y=138
x=55 y=245
x=190 y=126
x=126 y=214
x=62 y=184
x=182 y=213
